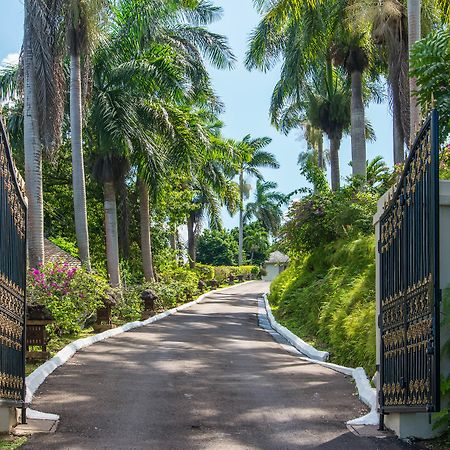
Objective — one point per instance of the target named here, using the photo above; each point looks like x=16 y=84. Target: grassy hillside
x=328 y=299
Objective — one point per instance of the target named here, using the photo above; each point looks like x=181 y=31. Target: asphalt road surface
x=205 y=378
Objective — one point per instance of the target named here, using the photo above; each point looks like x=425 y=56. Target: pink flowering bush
x=70 y=294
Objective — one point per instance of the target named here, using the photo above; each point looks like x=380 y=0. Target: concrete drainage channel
x=363 y=426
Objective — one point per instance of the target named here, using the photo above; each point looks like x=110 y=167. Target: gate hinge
x=430 y=348
x=380 y=320
x=379 y=246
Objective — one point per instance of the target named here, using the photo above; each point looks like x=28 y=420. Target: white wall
x=272 y=272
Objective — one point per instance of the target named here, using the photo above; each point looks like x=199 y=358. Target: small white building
x=277 y=263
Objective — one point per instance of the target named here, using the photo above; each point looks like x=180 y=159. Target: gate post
x=8 y=418
x=407 y=424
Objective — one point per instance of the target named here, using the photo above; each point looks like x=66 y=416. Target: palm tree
x=256 y=239
x=378 y=174
x=255 y=157
x=212 y=188
x=314 y=142
x=121 y=114
x=323 y=101
x=395 y=25
x=309 y=39
x=108 y=168
x=414 y=34
x=352 y=51
x=43 y=107
x=282 y=10
x=389 y=29
x=266 y=207
x=181 y=29
x=147 y=80
x=146 y=240
x=82 y=26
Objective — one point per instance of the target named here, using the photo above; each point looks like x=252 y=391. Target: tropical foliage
x=430 y=61
x=117 y=130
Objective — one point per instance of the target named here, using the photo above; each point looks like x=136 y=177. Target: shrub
x=223 y=272
x=71 y=295
x=129 y=305
x=248 y=271
x=324 y=217
x=181 y=278
x=204 y=271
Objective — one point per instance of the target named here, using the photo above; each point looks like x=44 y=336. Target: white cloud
x=11 y=59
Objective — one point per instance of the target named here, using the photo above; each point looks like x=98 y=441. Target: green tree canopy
x=218 y=248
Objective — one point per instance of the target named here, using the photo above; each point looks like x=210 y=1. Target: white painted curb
x=298 y=343
x=38 y=376
x=366 y=393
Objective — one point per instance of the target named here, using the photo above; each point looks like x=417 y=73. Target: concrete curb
x=366 y=393
x=302 y=346
x=39 y=375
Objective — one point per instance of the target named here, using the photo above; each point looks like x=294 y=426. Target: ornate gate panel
x=12 y=279
x=410 y=294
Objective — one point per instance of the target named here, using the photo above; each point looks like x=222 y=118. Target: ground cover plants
x=327 y=297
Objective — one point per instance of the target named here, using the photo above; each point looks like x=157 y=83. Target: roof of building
x=277 y=258
x=55 y=254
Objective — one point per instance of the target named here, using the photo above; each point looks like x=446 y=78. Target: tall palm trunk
x=414 y=34
x=78 y=178
x=358 y=132
x=320 y=157
x=399 y=87
x=191 y=240
x=123 y=218
x=241 y=218
x=112 y=239
x=146 y=242
x=33 y=155
x=335 y=143
x=398 y=136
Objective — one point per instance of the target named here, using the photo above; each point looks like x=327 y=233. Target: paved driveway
x=206 y=378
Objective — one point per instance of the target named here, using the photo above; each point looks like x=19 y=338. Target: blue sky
x=246 y=96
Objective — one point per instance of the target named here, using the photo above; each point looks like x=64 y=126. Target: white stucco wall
x=272 y=272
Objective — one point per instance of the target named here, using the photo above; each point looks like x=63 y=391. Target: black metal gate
x=12 y=279
x=409 y=276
